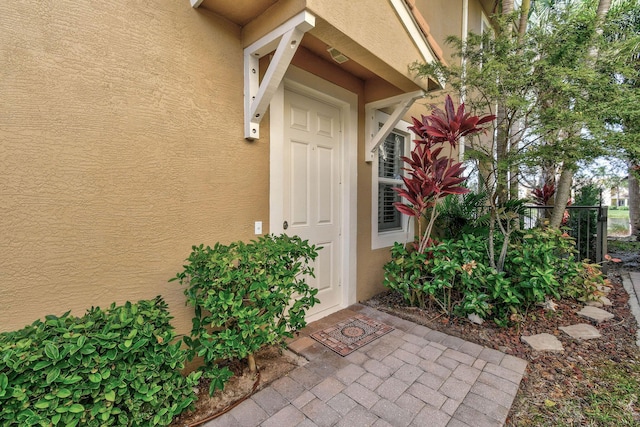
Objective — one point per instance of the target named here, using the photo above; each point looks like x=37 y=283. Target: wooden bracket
x=257 y=95
x=376 y=135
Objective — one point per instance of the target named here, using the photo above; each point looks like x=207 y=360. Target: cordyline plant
x=432 y=177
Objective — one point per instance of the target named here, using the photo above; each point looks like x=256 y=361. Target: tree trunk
x=603 y=9
x=563 y=192
x=634 y=201
x=524 y=18
x=507 y=6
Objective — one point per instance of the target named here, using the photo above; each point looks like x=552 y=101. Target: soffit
x=240 y=12
x=368 y=59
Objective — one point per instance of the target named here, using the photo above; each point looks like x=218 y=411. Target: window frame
x=386 y=239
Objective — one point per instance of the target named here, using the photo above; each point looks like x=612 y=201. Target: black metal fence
x=586 y=224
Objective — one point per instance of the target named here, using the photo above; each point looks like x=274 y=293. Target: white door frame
x=310 y=85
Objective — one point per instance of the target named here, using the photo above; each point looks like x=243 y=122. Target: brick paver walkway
x=413 y=376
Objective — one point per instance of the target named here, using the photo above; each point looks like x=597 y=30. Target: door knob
x=285 y=225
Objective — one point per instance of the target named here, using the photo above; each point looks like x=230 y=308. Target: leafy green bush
x=456 y=277
x=109 y=367
x=246 y=296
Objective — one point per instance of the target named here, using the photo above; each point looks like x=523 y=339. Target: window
x=389 y=225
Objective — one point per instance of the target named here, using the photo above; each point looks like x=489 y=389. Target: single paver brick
x=362 y=395
x=435 y=368
x=225 y=420
x=453 y=342
x=493 y=394
x=381 y=423
x=514 y=363
x=393 y=362
x=305 y=377
x=415 y=339
x=358 y=416
x=411 y=347
x=430 y=380
x=436 y=336
x=455 y=388
x=466 y=373
x=459 y=356
x=410 y=403
x=474 y=418
x=420 y=331
x=447 y=362
x=431 y=417
x=392 y=413
x=430 y=353
x=357 y=358
x=427 y=395
x=320 y=413
x=504 y=373
x=392 y=388
x=370 y=381
x=408 y=373
x=497 y=382
x=486 y=406
x=383 y=347
x=406 y=356
x=288 y=388
x=490 y=355
x=270 y=400
x=289 y=416
x=350 y=373
x=377 y=368
x=471 y=348
x=450 y=406
x=249 y=413
x=328 y=388
x=303 y=399
x=342 y=403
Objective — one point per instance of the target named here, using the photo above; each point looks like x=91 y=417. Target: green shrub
x=109 y=367
x=246 y=296
x=456 y=277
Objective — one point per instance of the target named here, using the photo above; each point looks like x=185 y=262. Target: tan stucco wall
x=121 y=146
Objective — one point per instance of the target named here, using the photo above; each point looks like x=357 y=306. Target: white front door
x=312 y=188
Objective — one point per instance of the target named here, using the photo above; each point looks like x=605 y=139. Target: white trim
x=315 y=87
x=257 y=96
x=196 y=3
x=386 y=239
x=376 y=135
x=414 y=30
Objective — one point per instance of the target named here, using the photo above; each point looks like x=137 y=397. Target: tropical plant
x=246 y=296
x=430 y=175
x=118 y=366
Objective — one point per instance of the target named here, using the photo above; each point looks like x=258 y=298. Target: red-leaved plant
x=430 y=176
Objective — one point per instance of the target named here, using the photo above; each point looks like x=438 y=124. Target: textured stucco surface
x=120 y=147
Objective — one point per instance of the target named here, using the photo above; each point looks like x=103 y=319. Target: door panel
x=312 y=142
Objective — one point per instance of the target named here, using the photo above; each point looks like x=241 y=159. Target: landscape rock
x=581 y=331
x=596 y=314
x=543 y=342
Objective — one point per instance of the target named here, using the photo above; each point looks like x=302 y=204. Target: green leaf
x=53 y=375
x=110 y=396
x=95 y=378
x=76 y=408
x=42 y=404
x=51 y=351
x=4 y=382
x=63 y=392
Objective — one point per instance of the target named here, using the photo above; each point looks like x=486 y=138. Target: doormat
x=351 y=334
